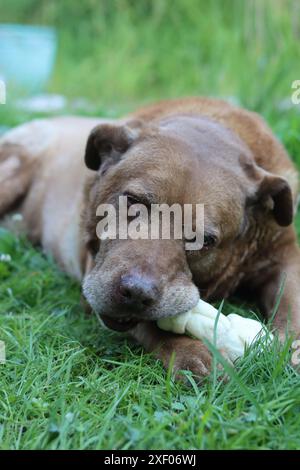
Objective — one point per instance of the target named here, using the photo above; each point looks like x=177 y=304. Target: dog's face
x=181 y=160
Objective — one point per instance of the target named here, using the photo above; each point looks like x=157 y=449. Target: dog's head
x=180 y=160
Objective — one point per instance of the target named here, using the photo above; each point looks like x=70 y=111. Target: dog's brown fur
x=193 y=150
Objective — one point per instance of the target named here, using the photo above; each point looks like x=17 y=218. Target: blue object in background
x=27 y=55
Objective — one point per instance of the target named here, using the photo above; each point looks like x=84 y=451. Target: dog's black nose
x=137 y=290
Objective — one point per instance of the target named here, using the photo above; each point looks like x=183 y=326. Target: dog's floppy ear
x=107 y=143
x=275 y=192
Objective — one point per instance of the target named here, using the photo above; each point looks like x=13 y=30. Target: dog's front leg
x=189 y=354
x=285 y=275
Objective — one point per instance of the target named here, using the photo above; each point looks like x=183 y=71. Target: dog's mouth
x=119 y=324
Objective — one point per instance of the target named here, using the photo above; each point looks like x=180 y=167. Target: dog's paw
x=188 y=354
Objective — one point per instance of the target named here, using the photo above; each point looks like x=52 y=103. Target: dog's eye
x=209 y=240
x=132 y=200
x=143 y=198
x=93 y=246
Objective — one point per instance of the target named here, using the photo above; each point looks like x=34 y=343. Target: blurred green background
x=122 y=52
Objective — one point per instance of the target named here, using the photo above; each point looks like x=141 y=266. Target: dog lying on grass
x=56 y=172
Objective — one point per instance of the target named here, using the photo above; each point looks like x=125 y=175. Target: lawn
x=67 y=382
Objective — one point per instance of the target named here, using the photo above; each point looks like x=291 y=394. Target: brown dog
x=184 y=151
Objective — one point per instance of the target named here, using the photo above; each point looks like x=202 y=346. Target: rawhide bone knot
x=233 y=332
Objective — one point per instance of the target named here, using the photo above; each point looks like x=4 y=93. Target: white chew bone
x=233 y=333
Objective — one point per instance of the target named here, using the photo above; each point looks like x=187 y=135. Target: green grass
x=70 y=384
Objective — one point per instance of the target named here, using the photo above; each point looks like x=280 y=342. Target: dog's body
x=184 y=151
